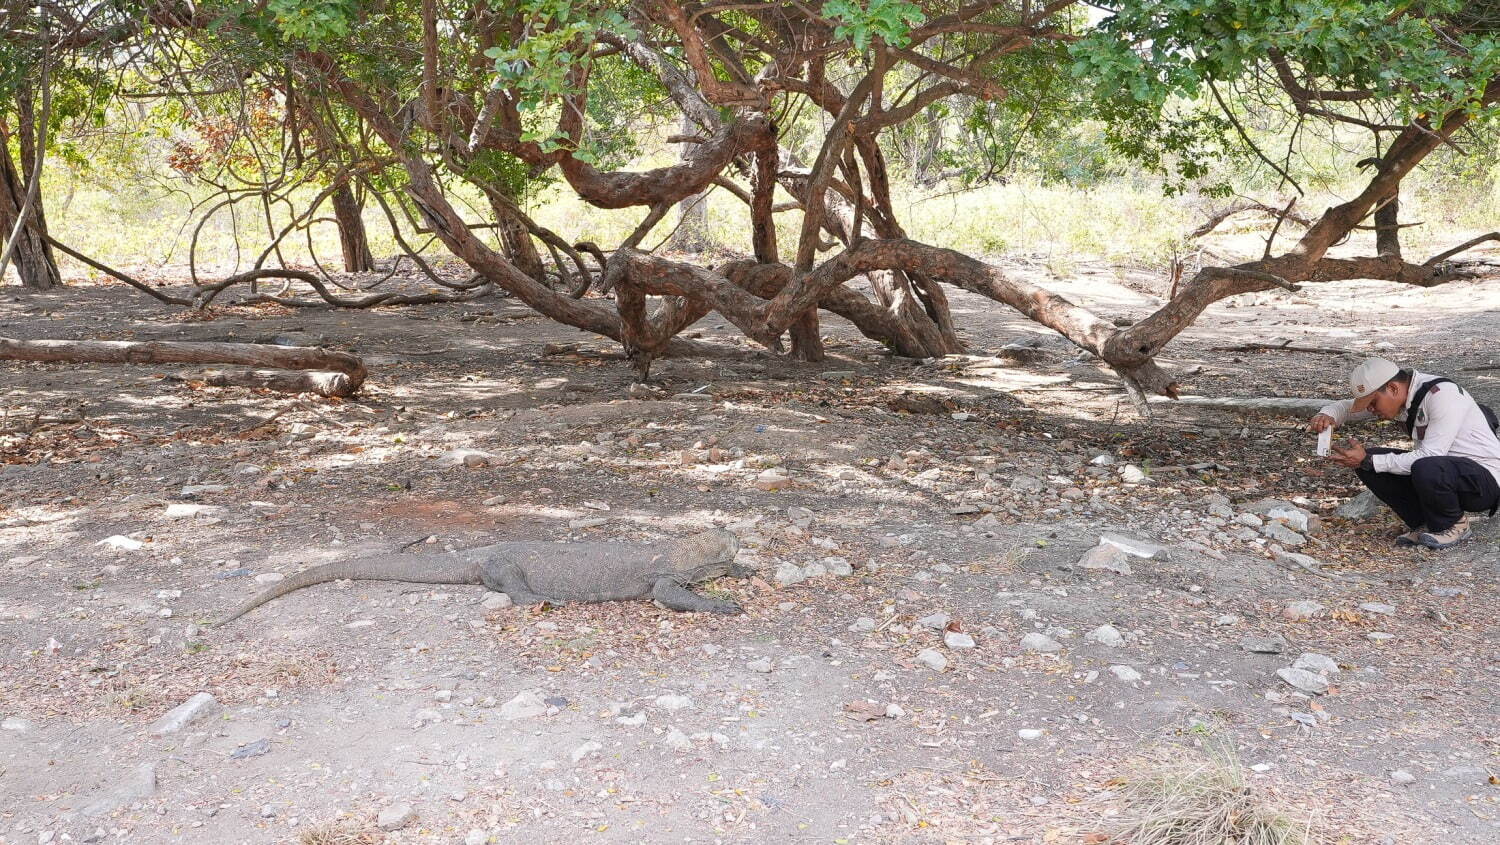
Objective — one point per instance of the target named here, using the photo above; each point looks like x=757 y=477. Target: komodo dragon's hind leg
x=678 y=597
x=509 y=580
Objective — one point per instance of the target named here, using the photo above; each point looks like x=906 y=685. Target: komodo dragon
x=534 y=572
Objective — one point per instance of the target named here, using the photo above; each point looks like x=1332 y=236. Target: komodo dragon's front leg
x=677 y=597
x=509 y=580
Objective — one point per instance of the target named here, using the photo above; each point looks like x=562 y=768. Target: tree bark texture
x=337 y=374
x=353 y=238
x=35 y=265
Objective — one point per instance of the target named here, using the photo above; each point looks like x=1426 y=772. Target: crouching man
x=1454 y=469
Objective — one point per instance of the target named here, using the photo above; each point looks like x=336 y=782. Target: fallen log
x=327 y=372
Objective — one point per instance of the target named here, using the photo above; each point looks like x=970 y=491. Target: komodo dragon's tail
x=416 y=569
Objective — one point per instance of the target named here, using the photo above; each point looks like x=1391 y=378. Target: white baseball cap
x=1371 y=375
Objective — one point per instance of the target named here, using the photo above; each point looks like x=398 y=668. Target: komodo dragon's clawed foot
x=677 y=597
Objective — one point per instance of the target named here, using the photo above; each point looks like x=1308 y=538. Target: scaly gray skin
x=531 y=572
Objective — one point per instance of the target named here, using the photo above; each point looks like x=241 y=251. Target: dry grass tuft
x=1207 y=804
x=342 y=832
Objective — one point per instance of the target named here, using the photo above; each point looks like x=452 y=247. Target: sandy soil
x=342 y=701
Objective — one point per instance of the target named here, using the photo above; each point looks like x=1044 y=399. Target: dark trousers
x=1438 y=492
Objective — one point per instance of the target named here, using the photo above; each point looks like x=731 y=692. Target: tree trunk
x=516 y=242
x=1387 y=228
x=336 y=373
x=33 y=259
x=352 y=237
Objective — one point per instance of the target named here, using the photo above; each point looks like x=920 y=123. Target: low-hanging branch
x=325 y=372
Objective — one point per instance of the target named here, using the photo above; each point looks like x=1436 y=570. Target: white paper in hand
x=1325 y=440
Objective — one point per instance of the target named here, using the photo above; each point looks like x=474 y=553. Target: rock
x=1106 y=557
x=1379 y=636
x=1377 y=607
x=932 y=659
x=772 y=480
x=798 y=516
x=251 y=749
x=1297 y=559
x=937 y=621
x=1225 y=619
x=1030 y=733
x=395 y=818
x=1299 y=611
x=496 y=601
x=15 y=723
x=525 y=705
x=863 y=625
x=1304 y=680
x=188 y=511
x=788 y=573
x=475 y=836
x=269 y=577
x=1223 y=511
x=1296 y=519
x=1133 y=474
x=1402 y=777
x=1027 y=484
x=1361 y=507
x=693 y=397
x=958 y=641
x=585 y=750
x=138 y=785
x=1103 y=460
x=814 y=570
x=121 y=543
x=763 y=665
x=838 y=566
x=472 y=458
x=678 y=741
x=1106 y=635
x=1133 y=546
x=1313 y=662
x=1263 y=507
x=1126 y=674
x=1282 y=534
x=1040 y=643
x=495 y=500
x=1273 y=644
x=672 y=701
x=200 y=706
x=1448 y=592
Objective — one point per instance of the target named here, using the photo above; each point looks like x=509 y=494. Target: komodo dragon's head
x=706 y=556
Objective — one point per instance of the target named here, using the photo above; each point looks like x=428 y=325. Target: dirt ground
x=967 y=487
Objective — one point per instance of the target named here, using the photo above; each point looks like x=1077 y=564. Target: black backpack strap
x=1416 y=402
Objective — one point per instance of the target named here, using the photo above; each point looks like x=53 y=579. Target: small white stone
x=1030 y=733
x=932 y=659
x=585 y=750
x=395 y=818
x=1106 y=635
x=1041 y=643
x=1126 y=674
x=1402 y=777
x=958 y=641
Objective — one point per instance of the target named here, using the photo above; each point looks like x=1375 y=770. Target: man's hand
x=1320 y=422
x=1351 y=455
